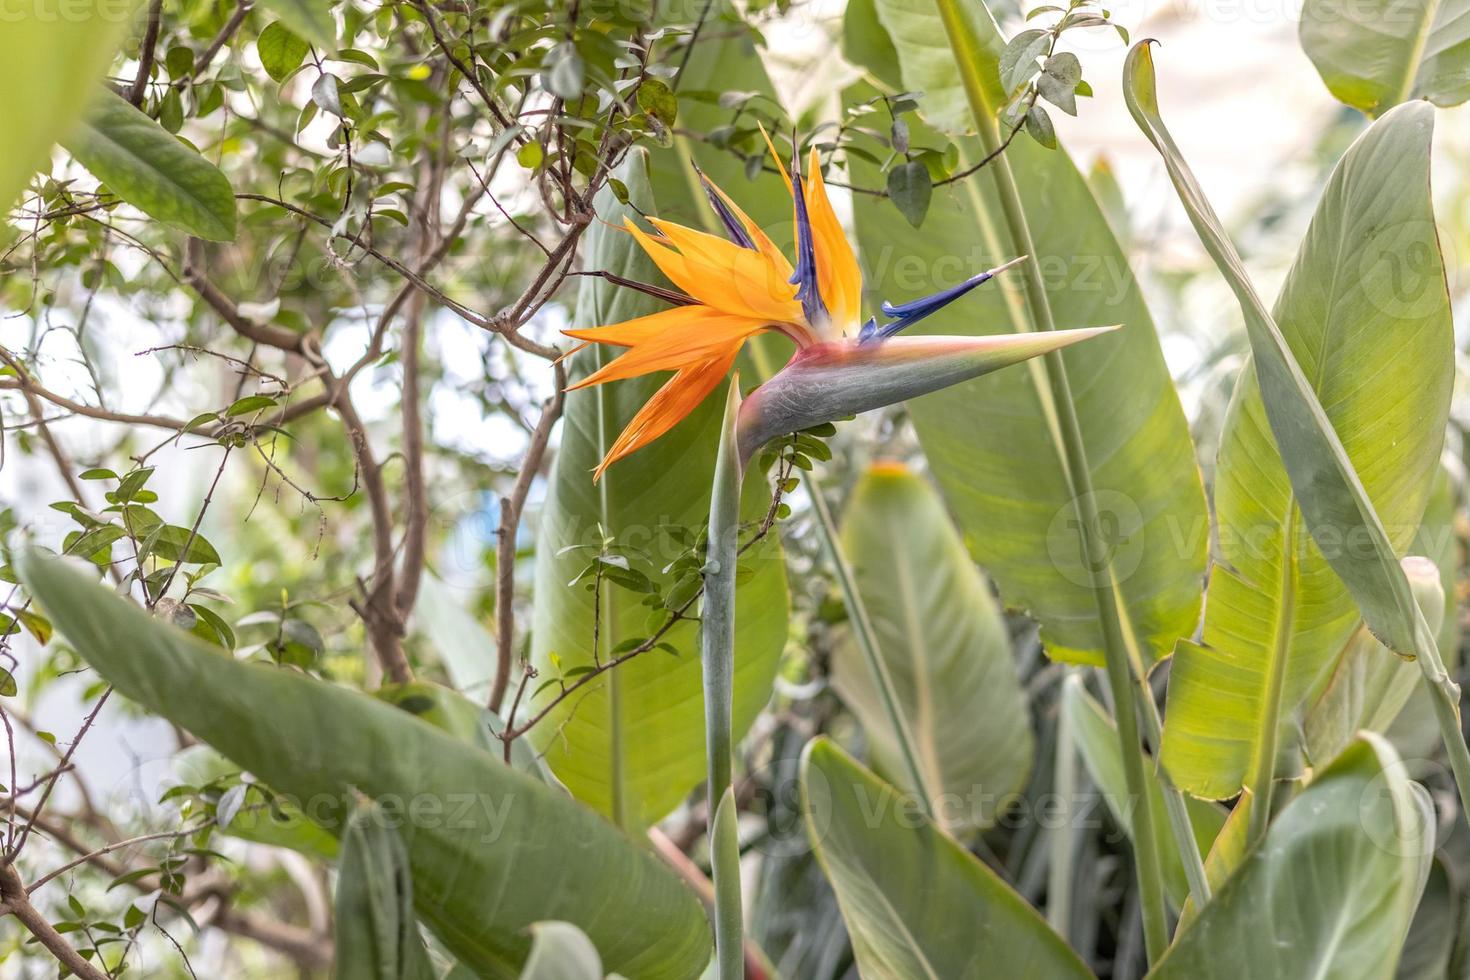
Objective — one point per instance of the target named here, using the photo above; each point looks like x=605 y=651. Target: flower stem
x=717 y=651
x=1063 y=851
x=969 y=58
x=1445 y=695
x=867 y=641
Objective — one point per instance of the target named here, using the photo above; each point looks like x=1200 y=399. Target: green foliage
x=910 y=895
x=1333 y=886
x=71 y=53
x=1374 y=56
x=631 y=745
x=995 y=455
x=323 y=745
x=377 y=934
x=944 y=642
x=1360 y=326
x=150 y=169
x=1097 y=742
x=332 y=245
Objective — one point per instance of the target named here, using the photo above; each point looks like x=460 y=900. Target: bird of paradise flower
x=731 y=289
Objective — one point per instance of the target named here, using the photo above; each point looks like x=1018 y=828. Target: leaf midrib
x=1416 y=51
x=923 y=692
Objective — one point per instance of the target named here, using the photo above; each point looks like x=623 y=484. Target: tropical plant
x=502 y=491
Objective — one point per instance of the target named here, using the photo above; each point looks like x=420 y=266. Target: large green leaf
x=631 y=743
x=724 y=60
x=946 y=647
x=50 y=65
x=470 y=823
x=145 y=165
x=993 y=445
x=1365 y=315
x=1330 y=493
x=376 y=931
x=918 y=906
x=1375 y=54
x=1097 y=741
x=1331 y=890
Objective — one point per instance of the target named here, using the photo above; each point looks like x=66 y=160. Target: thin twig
x=510 y=522
x=146 y=54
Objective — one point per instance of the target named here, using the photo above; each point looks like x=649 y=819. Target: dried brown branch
x=416 y=495
x=510 y=522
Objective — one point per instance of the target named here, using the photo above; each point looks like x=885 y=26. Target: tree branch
x=510 y=522
x=14 y=901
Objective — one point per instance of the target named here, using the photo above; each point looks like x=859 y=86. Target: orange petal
x=838 y=275
x=642 y=329
x=675 y=350
x=669 y=406
x=762 y=241
x=731 y=279
x=777 y=157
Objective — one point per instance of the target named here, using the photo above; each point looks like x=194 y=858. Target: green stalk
x=1060 y=870
x=1445 y=694
x=968 y=58
x=717 y=652
x=867 y=641
x=1178 y=813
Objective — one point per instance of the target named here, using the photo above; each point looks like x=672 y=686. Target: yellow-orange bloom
x=736 y=287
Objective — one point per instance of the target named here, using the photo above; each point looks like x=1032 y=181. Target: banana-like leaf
x=1329 y=491
x=946 y=647
x=147 y=166
x=993 y=445
x=1375 y=54
x=1332 y=888
x=470 y=823
x=631 y=743
x=1097 y=740
x=1364 y=324
x=376 y=932
x=71 y=54
x=918 y=906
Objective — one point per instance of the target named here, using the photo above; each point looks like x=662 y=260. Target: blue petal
x=907 y=314
x=805 y=276
x=732 y=224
